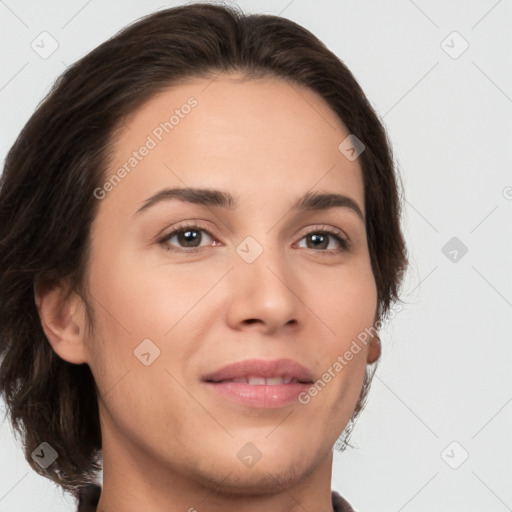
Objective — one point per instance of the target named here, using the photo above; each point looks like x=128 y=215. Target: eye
x=319 y=239
x=188 y=238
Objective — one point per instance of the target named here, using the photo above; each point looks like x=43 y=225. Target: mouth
x=260 y=383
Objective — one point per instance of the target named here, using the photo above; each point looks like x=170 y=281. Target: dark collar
x=339 y=504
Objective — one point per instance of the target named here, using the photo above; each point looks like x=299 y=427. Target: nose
x=265 y=294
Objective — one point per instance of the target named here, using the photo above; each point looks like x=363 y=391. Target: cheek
x=137 y=302
x=143 y=300
x=345 y=308
x=344 y=301
x=133 y=312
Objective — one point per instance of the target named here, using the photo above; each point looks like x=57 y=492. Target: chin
x=254 y=482
x=269 y=475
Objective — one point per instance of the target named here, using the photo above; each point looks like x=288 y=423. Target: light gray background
x=445 y=372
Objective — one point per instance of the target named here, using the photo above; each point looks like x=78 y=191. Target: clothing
x=339 y=504
x=89 y=497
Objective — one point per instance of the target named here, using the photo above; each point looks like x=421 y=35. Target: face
x=184 y=286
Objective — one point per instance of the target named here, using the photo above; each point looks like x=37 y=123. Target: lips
x=259 y=383
x=260 y=372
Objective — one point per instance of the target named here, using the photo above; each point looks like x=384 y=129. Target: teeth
x=257 y=381
x=262 y=381
x=274 y=380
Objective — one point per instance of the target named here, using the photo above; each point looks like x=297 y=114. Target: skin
x=168 y=442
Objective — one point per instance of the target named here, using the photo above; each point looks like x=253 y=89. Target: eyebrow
x=310 y=201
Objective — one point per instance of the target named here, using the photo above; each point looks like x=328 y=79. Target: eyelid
x=325 y=228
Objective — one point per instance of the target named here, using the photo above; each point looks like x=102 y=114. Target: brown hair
x=47 y=202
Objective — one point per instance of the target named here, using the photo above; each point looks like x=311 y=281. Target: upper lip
x=261 y=368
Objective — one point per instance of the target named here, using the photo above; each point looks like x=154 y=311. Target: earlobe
x=374 y=350
x=63 y=321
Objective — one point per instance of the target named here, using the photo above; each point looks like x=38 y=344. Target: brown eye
x=320 y=240
x=186 y=237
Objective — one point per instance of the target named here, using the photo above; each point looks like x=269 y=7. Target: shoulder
x=339 y=504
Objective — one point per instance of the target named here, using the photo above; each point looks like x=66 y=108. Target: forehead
x=259 y=136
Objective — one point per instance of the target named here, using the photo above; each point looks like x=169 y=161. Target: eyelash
x=344 y=243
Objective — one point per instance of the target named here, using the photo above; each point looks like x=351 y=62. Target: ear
x=374 y=350
x=63 y=321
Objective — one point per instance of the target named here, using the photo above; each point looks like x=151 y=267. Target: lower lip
x=263 y=396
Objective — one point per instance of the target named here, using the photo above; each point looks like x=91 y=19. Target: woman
x=200 y=237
